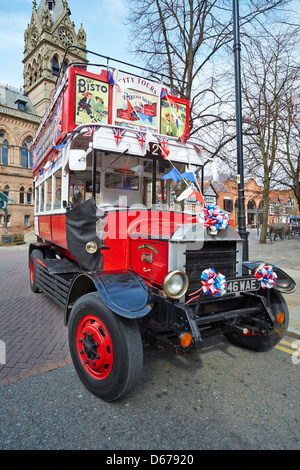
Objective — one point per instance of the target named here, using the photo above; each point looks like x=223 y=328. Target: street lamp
x=238 y=104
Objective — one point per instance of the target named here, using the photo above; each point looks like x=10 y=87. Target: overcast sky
x=102 y=21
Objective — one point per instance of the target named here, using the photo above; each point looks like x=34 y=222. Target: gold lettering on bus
x=145 y=245
x=44 y=227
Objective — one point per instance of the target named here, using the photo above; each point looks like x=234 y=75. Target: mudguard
x=125 y=293
x=284 y=282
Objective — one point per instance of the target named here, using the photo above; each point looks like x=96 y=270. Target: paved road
x=222 y=398
x=31 y=325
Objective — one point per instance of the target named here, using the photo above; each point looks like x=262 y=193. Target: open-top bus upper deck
x=107 y=132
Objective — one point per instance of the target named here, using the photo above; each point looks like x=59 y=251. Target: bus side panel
x=58 y=229
x=44 y=225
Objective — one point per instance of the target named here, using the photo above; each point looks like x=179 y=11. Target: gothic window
x=55 y=66
x=29 y=196
x=26 y=153
x=22 y=192
x=39 y=68
x=4 y=149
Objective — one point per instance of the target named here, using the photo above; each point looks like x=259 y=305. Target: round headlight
x=175 y=284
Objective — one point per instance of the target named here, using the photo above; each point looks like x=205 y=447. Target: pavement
x=33 y=338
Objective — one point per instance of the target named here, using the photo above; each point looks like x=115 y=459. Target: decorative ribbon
x=214 y=218
x=266 y=276
x=212 y=284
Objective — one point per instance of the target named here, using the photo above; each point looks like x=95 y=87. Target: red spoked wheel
x=31 y=271
x=33 y=275
x=106 y=348
x=94 y=347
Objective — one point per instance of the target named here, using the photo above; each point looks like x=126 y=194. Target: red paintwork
x=126 y=234
x=41 y=263
x=156 y=252
x=45 y=227
x=52 y=228
x=58 y=227
x=99 y=364
x=126 y=231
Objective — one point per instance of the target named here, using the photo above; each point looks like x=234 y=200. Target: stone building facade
x=47 y=35
x=282 y=203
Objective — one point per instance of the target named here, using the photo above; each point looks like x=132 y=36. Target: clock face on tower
x=65 y=37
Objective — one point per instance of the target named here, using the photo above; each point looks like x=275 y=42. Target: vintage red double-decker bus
x=117 y=248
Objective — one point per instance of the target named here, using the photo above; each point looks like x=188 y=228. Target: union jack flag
x=118 y=134
x=163 y=141
x=57 y=126
x=198 y=148
x=142 y=139
x=91 y=130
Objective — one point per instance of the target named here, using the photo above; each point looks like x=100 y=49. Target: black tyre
x=33 y=276
x=106 y=349
x=267 y=341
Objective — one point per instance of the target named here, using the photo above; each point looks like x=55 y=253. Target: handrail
x=107 y=65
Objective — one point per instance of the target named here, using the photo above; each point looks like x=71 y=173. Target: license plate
x=241 y=285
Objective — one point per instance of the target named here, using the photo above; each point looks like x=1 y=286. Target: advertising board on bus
x=117 y=99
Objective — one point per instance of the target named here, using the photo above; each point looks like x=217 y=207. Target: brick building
x=282 y=203
x=49 y=33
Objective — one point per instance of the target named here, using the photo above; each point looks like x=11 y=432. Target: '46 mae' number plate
x=241 y=284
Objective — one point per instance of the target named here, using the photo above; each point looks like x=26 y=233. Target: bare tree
x=268 y=76
x=183 y=38
x=288 y=158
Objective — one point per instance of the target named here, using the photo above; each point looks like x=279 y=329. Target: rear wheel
x=274 y=333
x=106 y=349
x=33 y=276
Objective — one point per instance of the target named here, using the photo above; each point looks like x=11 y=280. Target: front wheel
x=106 y=349
x=265 y=342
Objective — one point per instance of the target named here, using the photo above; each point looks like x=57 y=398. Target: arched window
x=39 y=67
x=55 y=66
x=29 y=196
x=251 y=212
x=26 y=153
x=22 y=192
x=6 y=190
x=4 y=149
x=251 y=205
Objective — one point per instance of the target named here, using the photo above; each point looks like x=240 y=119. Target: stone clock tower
x=46 y=38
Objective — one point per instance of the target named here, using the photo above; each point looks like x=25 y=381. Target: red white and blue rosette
x=213 y=283
x=214 y=218
x=266 y=277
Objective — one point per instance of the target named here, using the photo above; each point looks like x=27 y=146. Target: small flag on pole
x=189 y=193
